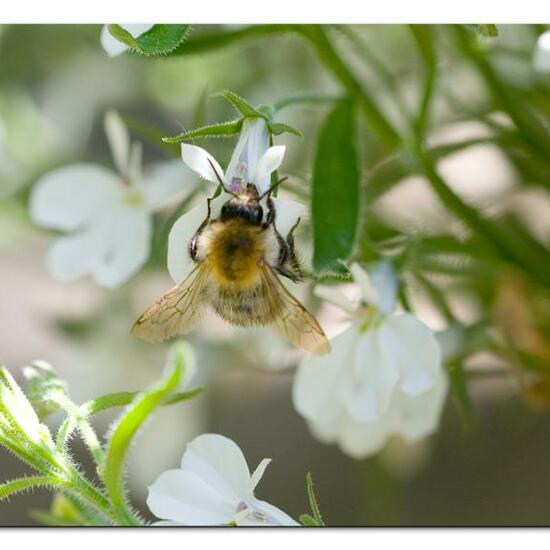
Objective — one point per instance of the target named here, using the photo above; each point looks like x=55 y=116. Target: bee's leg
x=294 y=262
x=270 y=216
x=193 y=243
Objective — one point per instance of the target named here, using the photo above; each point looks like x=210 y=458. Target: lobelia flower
x=541 y=55
x=107 y=215
x=213 y=487
x=253 y=161
x=384 y=376
x=114 y=47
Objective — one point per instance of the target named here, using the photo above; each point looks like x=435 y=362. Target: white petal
x=70 y=196
x=75 y=255
x=375 y=376
x=220 y=463
x=541 y=56
x=119 y=141
x=137 y=29
x=127 y=234
x=110 y=44
x=322 y=384
x=413 y=350
x=252 y=144
x=385 y=282
x=114 y=47
x=179 y=262
x=362 y=439
x=361 y=277
x=183 y=497
x=420 y=414
x=287 y=214
x=332 y=295
x=268 y=163
x=201 y=162
x=272 y=515
x=164 y=181
x=258 y=474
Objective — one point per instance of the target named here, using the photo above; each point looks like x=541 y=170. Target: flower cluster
x=384 y=376
x=107 y=214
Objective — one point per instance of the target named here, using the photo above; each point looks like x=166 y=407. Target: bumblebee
x=239 y=257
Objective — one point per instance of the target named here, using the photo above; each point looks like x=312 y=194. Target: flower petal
x=332 y=295
x=322 y=383
x=288 y=212
x=384 y=281
x=68 y=197
x=268 y=515
x=75 y=255
x=361 y=439
x=258 y=473
x=183 y=497
x=268 y=163
x=201 y=162
x=413 y=350
x=541 y=55
x=179 y=262
x=252 y=144
x=420 y=414
x=220 y=463
x=164 y=180
x=119 y=141
x=361 y=277
x=376 y=378
x=127 y=235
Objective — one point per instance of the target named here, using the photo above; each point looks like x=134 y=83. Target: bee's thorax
x=234 y=251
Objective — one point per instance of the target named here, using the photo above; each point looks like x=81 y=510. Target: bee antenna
x=220 y=180
x=274 y=186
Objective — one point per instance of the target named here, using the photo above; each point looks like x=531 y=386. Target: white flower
x=108 y=216
x=384 y=376
x=114 y=47
x=541 y=55
x=253 y=161
x=213 y=487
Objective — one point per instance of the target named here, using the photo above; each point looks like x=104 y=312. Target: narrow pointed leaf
x=245 y=108
x=278 y=128
x=129 y=423
x=335 y=194
x=222 y=129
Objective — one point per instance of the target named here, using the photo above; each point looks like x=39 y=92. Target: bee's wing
x=295 y=322
x=176 y=312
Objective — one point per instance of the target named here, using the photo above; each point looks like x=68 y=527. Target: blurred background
x=489 y=463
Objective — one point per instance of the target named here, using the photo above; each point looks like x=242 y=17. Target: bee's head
x=245 y=205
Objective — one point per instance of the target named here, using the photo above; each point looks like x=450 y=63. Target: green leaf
x=487 y=31
x=242 y=106
x=335 y=194
x=129 y=423
x=158 y=40
x=223 y=129
x=278 y=128
x=42 y=380
x=25 y=484
x=121 y=399
x=316 y=513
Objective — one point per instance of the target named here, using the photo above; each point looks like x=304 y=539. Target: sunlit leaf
x=158 y=40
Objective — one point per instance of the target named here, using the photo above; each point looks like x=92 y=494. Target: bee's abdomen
x=245 y=307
